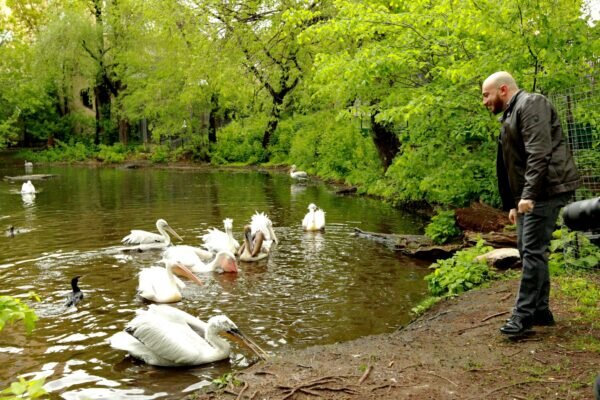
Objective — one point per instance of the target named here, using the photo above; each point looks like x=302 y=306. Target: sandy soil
x=454 y=351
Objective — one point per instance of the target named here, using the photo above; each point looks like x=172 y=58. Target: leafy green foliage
x=226 y=379
x=572 y=250
x=24 y=389
x=240 y=142
x=425 y=305
x=112 y=154
x=12 y=309
x=460 y=273
x=442 y=227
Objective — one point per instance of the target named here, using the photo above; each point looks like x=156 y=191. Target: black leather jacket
x=534 y=161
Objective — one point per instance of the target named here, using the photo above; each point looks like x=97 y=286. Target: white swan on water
x=168 y=337
x=27 y=188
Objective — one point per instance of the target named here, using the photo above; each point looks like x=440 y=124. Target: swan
x=153 y=239
x=216 y=240
x=168 y=337
x=27 y=188
x=260 y=222
x=251 y=249
x=160 y=285
x=191 y=258
x=76 y=296
x=314 y=220
x=297 y=174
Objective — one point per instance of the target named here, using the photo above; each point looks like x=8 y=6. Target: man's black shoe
x=543 y=318
x=516 y=325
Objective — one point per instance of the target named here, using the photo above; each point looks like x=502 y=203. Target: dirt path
x=452 y=352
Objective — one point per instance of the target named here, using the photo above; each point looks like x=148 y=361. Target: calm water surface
x=316 y=288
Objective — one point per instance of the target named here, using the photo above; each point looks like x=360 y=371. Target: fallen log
x=494 y=239
x=419 y=246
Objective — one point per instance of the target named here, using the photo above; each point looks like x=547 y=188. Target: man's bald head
x=497 y=90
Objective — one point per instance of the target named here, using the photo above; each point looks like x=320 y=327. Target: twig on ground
x=485 y=369
x=494 y=315
x=540 y=361
x=441 y=377
x=391 y=364
x=308 y=385
x=463 y=330
x=239 y=396
x=437 y=315
x=264 y=373
x=505 y=297
x=410 y=366
x=365 y=375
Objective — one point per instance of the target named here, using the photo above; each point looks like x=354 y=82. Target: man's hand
x=512 y=216
x=525 y=206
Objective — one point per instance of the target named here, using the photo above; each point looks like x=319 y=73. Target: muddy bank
x=454 y=351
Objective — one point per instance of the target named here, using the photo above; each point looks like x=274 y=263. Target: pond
x=315 y=288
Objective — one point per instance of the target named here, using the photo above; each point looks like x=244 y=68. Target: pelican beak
x=259 y=237
x=272 y=232
x=182 y=270
x=236 y=334
x=172 y=232
x=230 y=265
x=249 y=241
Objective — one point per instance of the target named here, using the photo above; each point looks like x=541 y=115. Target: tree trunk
x=273 y=121
x=123 y=131
x=212 y=118
x=386 y=142
x=102 y=99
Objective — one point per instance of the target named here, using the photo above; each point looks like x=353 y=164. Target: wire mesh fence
x=579 y=112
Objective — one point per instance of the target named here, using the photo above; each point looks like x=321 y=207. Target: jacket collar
x=509 y=107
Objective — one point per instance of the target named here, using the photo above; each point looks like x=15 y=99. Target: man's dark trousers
x=534 y=231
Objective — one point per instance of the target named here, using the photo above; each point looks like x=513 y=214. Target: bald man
x=536 y=177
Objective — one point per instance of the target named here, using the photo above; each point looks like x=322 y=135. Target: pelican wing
x=216 y=240
x=142 y=237
x=172 y=341
x=308 y=220
x=155 y=285
x=126 y=342
x=184 y=254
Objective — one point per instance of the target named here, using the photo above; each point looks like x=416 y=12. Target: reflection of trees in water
x=297 y=189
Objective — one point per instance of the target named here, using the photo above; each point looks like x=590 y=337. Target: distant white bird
x=28 y=165
x=160 y=285
x=216 y=240
x=260 y=222
x=154 y=240
x=314 y=220
x=251 y=249
x=192 y=258
x=168 y=337
x=297 y=174
x=27 y=188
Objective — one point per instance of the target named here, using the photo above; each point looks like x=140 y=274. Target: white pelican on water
x=27 y=188
x=168 y=337
x=251 y=249
x=28 y=165
x=314 y=220
x=154 y=240
x=191 y=257
x=160 y=285
x=260 y=222
x=297 y=174
x=216 y=240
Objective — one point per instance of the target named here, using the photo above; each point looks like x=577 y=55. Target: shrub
x=460 y=273
x=442 y=227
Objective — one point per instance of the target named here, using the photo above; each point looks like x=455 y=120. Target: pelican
x=76 y=296
x=160 y=285
x=168 y=337
x=251 y=249
x=297 y=174
x=191 y=257
x=28 y=165
x=153 y=239
x=260 y=222
x=314 y=220
x=216 y=240
x=27 y=188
